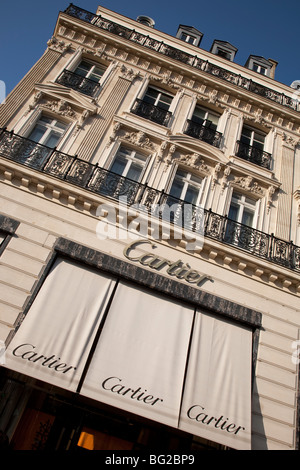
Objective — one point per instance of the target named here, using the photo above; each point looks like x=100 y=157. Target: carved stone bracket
x=248 y=184
x=297 y=197
x=59 y=46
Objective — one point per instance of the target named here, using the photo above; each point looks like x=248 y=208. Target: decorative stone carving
x=129 y=74
x=59 y=46
x=140 y=139
x=215 y=174
x=270 y=193
x=112 y=138
x=226 y=173
x=249 y=184
x=289 y=141
x=60 y=107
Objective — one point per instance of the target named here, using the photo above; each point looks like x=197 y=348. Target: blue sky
x=267 y=28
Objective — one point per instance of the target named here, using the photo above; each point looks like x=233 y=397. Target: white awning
x=54 y=340
x=217 y=393
x=139 y=363
x=155 y=356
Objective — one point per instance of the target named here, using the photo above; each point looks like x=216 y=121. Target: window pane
x=258 y=141
x=248 y=217
x=176 y=189
x=233 y=212
x=52 y=139
x=135 y=171
x=246 y=136
x=151 y=96
x=37 y=133
x=164 y=101
x=192 y=194
x=83 y=68
x=119 y=165
x=96 y=74
x=199 y=115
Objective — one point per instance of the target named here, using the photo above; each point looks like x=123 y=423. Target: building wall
x=48 y=208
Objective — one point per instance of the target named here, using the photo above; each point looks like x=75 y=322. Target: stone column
x=283 y=224
x=101 y=122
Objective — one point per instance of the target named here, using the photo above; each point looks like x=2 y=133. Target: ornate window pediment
x=60 y=100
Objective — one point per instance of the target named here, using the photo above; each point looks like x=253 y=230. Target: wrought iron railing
x=184 y=57
x=151 y=112
x=254 y=155
x=100 y=181
x=78 y=82
x=203 y=132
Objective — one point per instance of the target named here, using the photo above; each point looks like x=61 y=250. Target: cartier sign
x=178 y=268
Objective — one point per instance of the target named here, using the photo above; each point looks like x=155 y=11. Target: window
x=251 y=147
x=45 y=136
x=260 y=69
x=124 y=175
x=203 y=125
x=183 y=202
x=48 y=131
x=186 y=187
x=85 y=78
x=128 y=163
x=260 y=65
x=252 y=138
x=188 y=38
x=92 y=71
x=223 y=49
x=223 y=53
x=154 y=106
x=243 y=210
x=242 y=220
x=158 y=98
x=205 y=118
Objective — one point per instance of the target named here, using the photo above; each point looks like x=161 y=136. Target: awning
x=148 y=354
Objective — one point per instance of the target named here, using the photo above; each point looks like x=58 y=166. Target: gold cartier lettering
x=178 y=268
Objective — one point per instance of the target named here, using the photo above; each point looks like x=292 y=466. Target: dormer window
x=260 y=69
x=259 y=64
x=223 y=49
x=188 y=38
x=189 y=34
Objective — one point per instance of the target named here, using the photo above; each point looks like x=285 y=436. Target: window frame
x=187 y=182
x=49 y=129
x=160 y=92
x=240 y=200
x=254 y=132
x=206 y=121
x=91 y=71
x=130 y=160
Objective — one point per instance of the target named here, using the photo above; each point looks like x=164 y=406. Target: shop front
x=110 y=355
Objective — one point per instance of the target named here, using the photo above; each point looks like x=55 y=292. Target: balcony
x=203 y=132
x=151 y=112
x=254 y=155
x=79 y=83
x=100 y=181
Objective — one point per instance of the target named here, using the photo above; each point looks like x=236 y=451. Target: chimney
x=274 y=65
